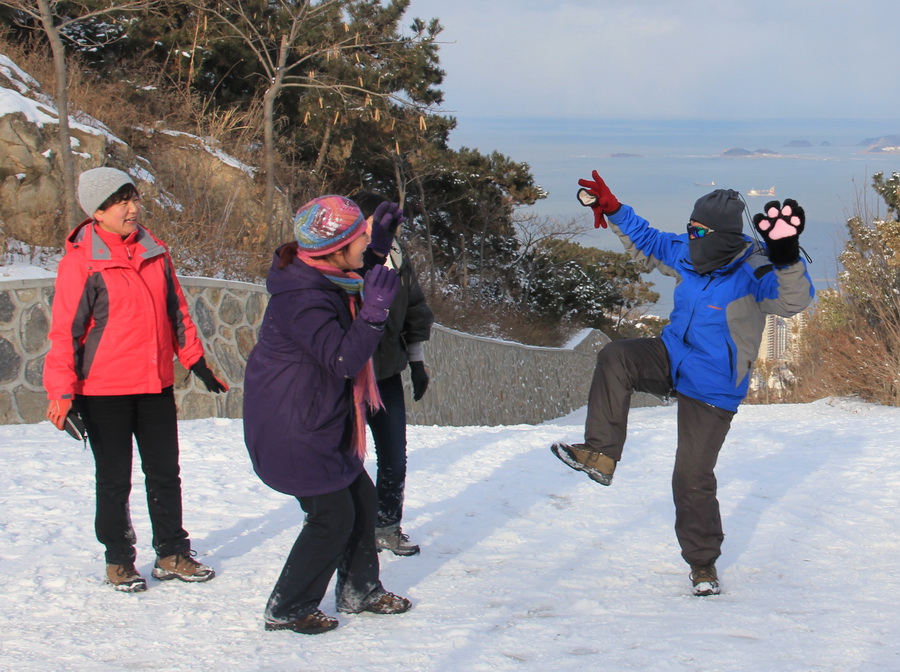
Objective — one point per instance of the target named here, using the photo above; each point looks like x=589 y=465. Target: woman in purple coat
x=308 y=383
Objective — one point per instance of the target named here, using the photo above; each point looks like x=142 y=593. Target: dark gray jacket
x=409 y=320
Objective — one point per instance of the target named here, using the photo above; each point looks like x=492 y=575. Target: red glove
x=57 y=410
x=605 y=204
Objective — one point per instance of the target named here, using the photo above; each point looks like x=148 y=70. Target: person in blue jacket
x=726 y=285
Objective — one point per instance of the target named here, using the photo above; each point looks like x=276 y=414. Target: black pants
x=388 y=427
x=111 y=422
x=339 y=534
x=642 y=365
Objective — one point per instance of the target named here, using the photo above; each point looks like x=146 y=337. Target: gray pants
x=642 y=365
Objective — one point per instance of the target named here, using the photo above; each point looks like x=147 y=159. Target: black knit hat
x=721 y=210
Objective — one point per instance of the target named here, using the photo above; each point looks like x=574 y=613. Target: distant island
x=740 y=152
x=887 y=144
x=799 y=143
x=625 y=155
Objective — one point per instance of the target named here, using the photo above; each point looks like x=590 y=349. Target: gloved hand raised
x=603 y=201
x=379 y=289
x=418 y=374
x=203 y=372
x=781 y=226
x=388 y=217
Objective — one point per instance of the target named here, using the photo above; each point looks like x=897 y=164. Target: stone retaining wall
x=475 y=381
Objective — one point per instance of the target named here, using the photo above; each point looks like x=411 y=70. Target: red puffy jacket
x=119 y=317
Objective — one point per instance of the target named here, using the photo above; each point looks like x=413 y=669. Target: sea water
x=661 y=167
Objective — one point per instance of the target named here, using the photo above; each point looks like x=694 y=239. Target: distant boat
x=705 y=184
x=762 y=192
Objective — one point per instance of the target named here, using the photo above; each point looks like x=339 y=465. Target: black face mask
x=715 y=250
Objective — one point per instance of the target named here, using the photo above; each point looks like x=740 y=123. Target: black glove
x=419 y=377
x=213 y=384
x=781 y=226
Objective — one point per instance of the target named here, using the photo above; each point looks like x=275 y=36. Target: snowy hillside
x=526 y=565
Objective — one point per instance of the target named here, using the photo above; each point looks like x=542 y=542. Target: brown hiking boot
x=705 y=580
x=183 y=567
x=387 y=603
x=595 y=464
x=125 y=578
x=311 y=624
x=393 y=539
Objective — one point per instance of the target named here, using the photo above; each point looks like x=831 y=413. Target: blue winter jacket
x=717 y=323
x=298 y=395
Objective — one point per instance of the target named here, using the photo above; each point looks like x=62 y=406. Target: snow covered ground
x=526 y=564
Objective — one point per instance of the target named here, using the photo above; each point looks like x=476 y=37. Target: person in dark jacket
x=308 y=383
x=727 y=284
x=408 y=326
x=119 y=319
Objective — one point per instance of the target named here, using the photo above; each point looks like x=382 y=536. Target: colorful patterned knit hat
x=326 y=224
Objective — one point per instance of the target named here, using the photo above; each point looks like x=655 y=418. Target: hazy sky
x=664 y=59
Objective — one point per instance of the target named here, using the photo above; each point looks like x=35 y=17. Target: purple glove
x=385 y=221
x=380 y=288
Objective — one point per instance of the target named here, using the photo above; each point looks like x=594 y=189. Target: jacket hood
x=295 y=276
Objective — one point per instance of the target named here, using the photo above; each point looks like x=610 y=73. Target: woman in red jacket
x=119 y=319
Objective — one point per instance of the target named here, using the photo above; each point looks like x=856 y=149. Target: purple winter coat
x=298 y=388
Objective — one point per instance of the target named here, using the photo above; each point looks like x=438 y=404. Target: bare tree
x=287 y=59
x=57 y=29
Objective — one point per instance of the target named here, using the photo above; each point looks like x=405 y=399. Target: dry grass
x=846 y=358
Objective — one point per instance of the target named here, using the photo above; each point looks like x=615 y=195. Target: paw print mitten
x=781 y=226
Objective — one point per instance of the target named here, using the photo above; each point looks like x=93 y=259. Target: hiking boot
x=311 y=624
x=125 y=578
x=595 y=464
x=392 y=539
x=183 y=567
x=387 y=603
x=705 y=580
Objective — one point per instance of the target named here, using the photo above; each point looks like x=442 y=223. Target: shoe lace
x=186 y=557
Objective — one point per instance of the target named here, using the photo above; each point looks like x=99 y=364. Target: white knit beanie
x=98 y=184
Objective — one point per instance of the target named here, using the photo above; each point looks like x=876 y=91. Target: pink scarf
x=365 y=387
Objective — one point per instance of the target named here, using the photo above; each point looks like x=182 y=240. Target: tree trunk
x=277 y=83
x=67 y=161
x=323 y=148
x=429 y=250
x=269 y=159
x=464 y=280
x=399 y=178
